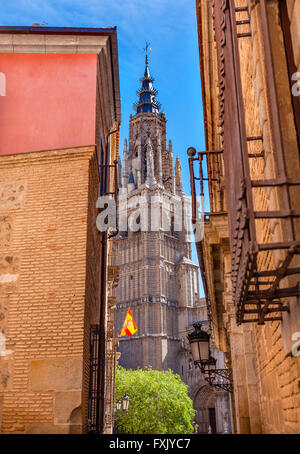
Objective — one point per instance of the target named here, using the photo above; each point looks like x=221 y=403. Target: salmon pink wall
x=50 y=101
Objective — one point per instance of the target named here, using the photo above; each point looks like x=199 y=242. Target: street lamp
x=199 y=342
x=217 y=378
x=125 y=402
x=209 y=368
x=118 y=405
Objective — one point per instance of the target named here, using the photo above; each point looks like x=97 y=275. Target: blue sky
x=169 y=25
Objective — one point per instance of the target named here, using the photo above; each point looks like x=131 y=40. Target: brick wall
x=278 y=372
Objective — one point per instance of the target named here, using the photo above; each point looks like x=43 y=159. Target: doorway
x=212 y=419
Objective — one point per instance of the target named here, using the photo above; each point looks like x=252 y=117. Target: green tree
x=159 y=402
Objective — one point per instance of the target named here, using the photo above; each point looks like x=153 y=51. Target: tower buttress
x=150 y=163
x=159 y=160
x=171 y=169
x=125 y=165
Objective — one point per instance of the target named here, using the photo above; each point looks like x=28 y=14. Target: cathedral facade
x=158 y=279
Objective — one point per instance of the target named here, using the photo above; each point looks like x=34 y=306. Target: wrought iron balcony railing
x=262 y=263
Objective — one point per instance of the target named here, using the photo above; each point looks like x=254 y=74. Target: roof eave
x=59 y=30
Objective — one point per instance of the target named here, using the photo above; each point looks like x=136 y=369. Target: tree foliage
x=159 y=402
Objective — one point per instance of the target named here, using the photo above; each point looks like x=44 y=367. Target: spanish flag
x=129 y=326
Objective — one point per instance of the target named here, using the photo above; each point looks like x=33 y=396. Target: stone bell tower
x=158 y=279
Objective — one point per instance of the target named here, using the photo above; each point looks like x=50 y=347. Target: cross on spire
x=146 y=51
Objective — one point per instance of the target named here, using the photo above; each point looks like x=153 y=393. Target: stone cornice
x=41 y=157
x=41 y=42
x=148 y=115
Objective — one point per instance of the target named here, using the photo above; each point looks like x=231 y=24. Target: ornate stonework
x=158 y=279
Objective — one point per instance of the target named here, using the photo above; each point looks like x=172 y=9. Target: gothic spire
x=125 y=164
x=147 y=102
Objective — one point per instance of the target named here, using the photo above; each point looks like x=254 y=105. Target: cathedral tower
x=158 y=279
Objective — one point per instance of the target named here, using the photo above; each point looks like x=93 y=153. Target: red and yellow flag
x=129 y=326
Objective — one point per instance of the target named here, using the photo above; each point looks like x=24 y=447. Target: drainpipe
x=101 y=373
